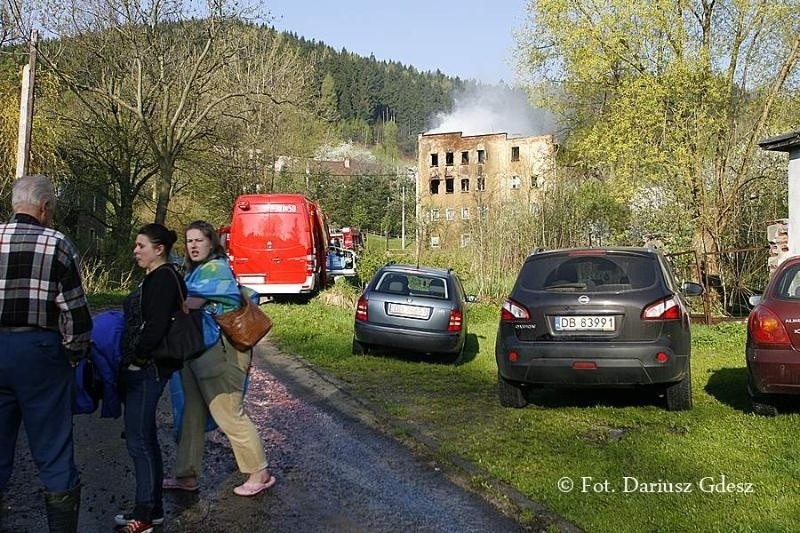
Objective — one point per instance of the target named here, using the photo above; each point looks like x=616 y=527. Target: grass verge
x=632 y=465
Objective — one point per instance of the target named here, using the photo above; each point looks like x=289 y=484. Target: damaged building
x=461 y=179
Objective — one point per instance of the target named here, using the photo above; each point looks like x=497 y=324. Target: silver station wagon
x=417 y=309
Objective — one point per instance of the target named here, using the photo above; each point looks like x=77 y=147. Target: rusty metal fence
x=729 y=278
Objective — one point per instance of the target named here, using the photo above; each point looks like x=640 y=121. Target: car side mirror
x=472 y=298
x=690 y=288
x=755 y=299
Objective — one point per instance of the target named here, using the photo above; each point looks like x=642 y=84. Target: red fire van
x=277 y=243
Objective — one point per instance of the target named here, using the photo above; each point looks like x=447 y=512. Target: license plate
x=584 y=323
x=408 y=311
x=245 y=280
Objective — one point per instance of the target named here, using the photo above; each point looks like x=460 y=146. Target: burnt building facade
x=462 y=179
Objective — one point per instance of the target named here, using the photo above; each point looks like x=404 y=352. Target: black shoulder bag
x=184 y=338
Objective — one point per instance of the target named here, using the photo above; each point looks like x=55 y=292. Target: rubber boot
x=62 y=510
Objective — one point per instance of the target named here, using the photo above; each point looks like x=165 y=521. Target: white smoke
x=482 y=109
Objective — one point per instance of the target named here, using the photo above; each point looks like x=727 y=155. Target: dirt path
x=335 y=471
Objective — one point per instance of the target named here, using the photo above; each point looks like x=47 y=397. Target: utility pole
x=403 y=219
x=26 y=109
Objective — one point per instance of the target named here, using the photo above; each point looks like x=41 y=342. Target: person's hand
x=75 y=356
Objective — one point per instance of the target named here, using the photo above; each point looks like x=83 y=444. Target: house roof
x=786 y=142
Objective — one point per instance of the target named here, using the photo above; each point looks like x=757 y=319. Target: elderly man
x=45 y=327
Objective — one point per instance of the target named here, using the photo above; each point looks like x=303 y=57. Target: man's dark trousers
x=36 y=388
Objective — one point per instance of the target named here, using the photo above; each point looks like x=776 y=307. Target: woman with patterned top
x=214 y=382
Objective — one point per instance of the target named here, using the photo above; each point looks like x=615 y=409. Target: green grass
x=99 y=300
x=604 y=435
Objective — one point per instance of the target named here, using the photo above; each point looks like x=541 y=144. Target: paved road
x=335 y=472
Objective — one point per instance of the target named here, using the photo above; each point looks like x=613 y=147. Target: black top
x=148 y=313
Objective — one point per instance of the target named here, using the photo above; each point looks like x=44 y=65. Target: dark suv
x=419 y=309
x=595 y=317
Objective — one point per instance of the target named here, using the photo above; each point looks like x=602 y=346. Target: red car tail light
x=766 y=329
x=361 y=309
x=511 y=310
x=311 y=264
x=456 y=320
x=665 y=309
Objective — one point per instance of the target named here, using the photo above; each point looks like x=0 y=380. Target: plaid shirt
x=40 y=284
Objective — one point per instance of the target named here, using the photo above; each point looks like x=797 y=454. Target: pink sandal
x=251 y=489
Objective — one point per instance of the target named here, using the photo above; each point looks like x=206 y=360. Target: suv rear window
x=589 y=273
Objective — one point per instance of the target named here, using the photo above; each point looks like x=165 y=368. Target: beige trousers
x=214 y=383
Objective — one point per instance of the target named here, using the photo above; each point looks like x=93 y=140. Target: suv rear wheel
x=679 y=395
x=510 y=394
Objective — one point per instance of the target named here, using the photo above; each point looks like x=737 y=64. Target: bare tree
x=178 y=70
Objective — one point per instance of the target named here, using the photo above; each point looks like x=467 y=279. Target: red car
x=773 y=339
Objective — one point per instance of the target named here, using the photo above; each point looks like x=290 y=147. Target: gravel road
x=335 y=471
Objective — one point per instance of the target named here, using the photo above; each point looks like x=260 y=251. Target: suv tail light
x=513 y=311
x=664 y=309
x=361 y=309
x=456 y=320
x=766 y=329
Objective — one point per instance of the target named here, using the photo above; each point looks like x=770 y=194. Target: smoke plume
x=481 y=109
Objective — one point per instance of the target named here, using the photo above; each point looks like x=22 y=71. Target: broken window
x=448 y=185
x=515 y=182
x=435 y=186
x=481 y=156
x=534 y=181
x=448 y=159
x=434 y=214
x=464 y=184
x=434 y=160
x=515 y=153
x=481 y=183
x=450 y=213
x=465 y=213
x=465 y=158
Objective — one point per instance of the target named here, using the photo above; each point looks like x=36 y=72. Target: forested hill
x=362 y=93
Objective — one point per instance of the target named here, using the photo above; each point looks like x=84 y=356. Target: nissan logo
x=583 y=299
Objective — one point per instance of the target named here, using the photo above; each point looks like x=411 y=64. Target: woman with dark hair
x=214 y=382
x=148 y=314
